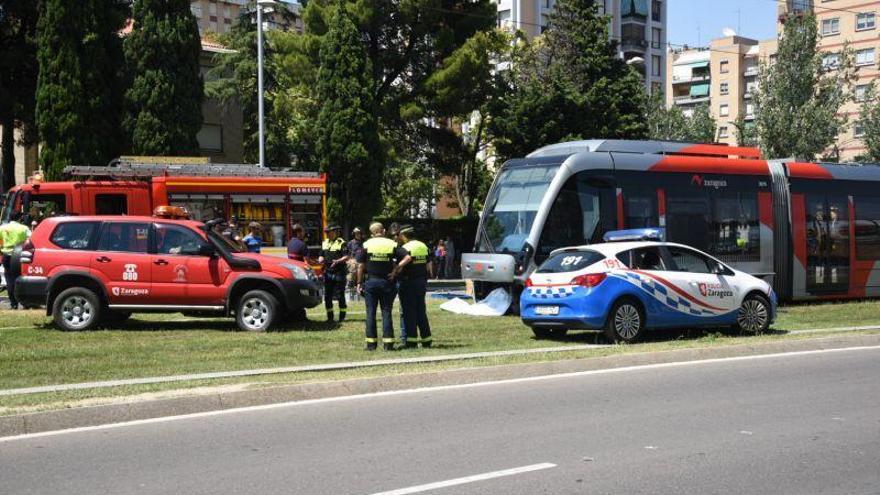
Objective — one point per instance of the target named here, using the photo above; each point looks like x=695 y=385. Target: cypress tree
x=78 y=99
x=348 y=146
x=163 y=105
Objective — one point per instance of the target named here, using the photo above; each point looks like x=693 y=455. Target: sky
x=695 y=22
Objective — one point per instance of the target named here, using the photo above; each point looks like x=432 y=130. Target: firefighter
x=334 y=256
x=413 y=272
x=375 y=264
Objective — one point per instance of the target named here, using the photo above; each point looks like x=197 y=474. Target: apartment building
x=216 y=16
x=639 y=26
x=723 y=76
x=840 y=22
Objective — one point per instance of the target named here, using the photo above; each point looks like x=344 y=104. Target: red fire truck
x=137 y=185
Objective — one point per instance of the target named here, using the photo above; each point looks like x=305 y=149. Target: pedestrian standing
x=334 y=256
x=451 y=252
x=12 y=235
x=354 y=247
x=440 y=257
x=253 y=242
x=412 y=271
x=376 y=261
x=296 y=248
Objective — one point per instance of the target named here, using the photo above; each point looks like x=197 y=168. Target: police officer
x=12 y=235
x=413 y=271
x=376 y=262
x=334 y=256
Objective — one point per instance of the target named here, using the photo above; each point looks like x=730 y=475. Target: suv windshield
x=570 y=261
x=224 y=243
x=8 y=205
x=512 y=206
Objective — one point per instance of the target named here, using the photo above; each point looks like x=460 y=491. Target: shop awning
x=698 y=90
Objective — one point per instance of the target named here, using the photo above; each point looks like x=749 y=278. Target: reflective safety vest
x=417 y=268
x=332 y=251
x=12 y=235
x=379 y=256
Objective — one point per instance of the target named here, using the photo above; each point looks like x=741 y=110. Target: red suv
x=93 y=269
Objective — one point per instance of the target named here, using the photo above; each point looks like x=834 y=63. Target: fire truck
x=138 y=185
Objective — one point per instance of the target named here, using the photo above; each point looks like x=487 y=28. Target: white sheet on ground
x=495 y=304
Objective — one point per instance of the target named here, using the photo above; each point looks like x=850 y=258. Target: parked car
x=625 y=288
x=97 y=269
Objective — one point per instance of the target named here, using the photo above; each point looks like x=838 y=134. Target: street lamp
x=262 y=131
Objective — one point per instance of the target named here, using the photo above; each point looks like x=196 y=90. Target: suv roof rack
x=129 y=169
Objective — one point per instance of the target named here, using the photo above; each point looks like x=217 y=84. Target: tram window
x=867 y=228
x=640 y=208
x=573 y=218
x=735 y=230
x=687 y=218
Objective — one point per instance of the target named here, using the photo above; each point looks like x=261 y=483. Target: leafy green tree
x=79 y=97
x=348 y=146
x=798 y=98
x=164 y=100
x=869 y=118
x=673 y=125
x=568 y=84
x=746 y=132
x=18 y=79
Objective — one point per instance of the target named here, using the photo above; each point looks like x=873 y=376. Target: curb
x=122 y=412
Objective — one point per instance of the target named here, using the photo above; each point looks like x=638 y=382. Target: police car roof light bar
x=647 y=234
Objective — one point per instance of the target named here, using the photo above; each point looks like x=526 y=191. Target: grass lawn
x=33 y=352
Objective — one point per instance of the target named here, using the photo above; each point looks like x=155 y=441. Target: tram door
x=828 y=255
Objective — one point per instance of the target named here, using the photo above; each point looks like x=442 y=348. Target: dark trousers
x=334 y=288
x=379 y=292
x=10 y=280
x=415 y=314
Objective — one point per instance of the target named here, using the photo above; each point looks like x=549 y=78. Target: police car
x=634 y=282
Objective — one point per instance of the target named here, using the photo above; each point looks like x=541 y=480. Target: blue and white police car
x=634 y=282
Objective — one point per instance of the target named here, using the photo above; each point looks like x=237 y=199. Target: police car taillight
x=589 y=280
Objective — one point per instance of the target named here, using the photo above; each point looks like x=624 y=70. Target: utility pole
x=262 y=131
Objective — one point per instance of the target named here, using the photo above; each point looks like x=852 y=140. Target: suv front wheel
x=256 y=311
x=76 y=309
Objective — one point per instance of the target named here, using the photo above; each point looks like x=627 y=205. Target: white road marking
x=392 y=393
x=468 y=479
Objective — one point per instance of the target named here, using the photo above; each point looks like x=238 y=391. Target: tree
x=78 y=100
x=348 y=145
x=671 y=124
x=746 y=133
x=18 y=80
x=798 y=97
x=869 y=119
x=164 y=101
x=568 y=84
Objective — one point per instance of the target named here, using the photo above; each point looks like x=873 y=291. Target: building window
x=656 y=63
x=723 y=132
x=196 y=10
x=725 y=66
x=858 y=129
x=210 y=138
x=724 y=110
x=656 y=10
x=634 y=8
x=830 y=27
x=865 y=21
x=503 y=18
x=831 y=61
x=751 y=86
x=865 y=57
x=750 y=109
x=725 y=88
x=212 y=8
x=656 y=38
x=861 y=92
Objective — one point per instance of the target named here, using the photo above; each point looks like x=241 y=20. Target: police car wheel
x=626 y=322
x=76 y=309
x=753 y=315
x=549 y=333
x=256 y=311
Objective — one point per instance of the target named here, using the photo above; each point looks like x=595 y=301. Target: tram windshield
x=512 y=206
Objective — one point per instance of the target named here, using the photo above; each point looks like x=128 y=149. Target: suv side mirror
x=207 y=250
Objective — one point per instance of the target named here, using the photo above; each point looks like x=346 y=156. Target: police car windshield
x=570 y=261
x=512 y=206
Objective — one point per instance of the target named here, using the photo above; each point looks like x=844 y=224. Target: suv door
x=182 y=273
x=122 y=258
x=712 y=294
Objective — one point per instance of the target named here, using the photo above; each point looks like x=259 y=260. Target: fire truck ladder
x=125 y=169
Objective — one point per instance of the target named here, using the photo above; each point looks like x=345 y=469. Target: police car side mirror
x=720 y=269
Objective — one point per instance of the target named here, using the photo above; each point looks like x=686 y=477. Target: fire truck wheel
x=256 y=311
x=76 y=309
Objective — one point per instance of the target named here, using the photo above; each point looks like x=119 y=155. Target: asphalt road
x=797 y=424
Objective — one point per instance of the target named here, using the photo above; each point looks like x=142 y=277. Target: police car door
x=711 y=295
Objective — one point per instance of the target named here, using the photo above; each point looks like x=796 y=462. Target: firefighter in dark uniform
x=413 y=272
x=376 y=262
x=334 y=256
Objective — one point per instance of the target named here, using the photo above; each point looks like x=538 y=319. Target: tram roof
x=646 y=148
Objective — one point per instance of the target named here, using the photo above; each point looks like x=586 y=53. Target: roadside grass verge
x=34 y=353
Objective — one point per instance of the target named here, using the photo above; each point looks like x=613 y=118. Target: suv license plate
x=547 y=310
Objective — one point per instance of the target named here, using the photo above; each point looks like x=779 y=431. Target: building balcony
x=690 y=100
x=751 y=71
x=749 y=117
x=640 y=44
x=683 y=80
x=749 y=94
